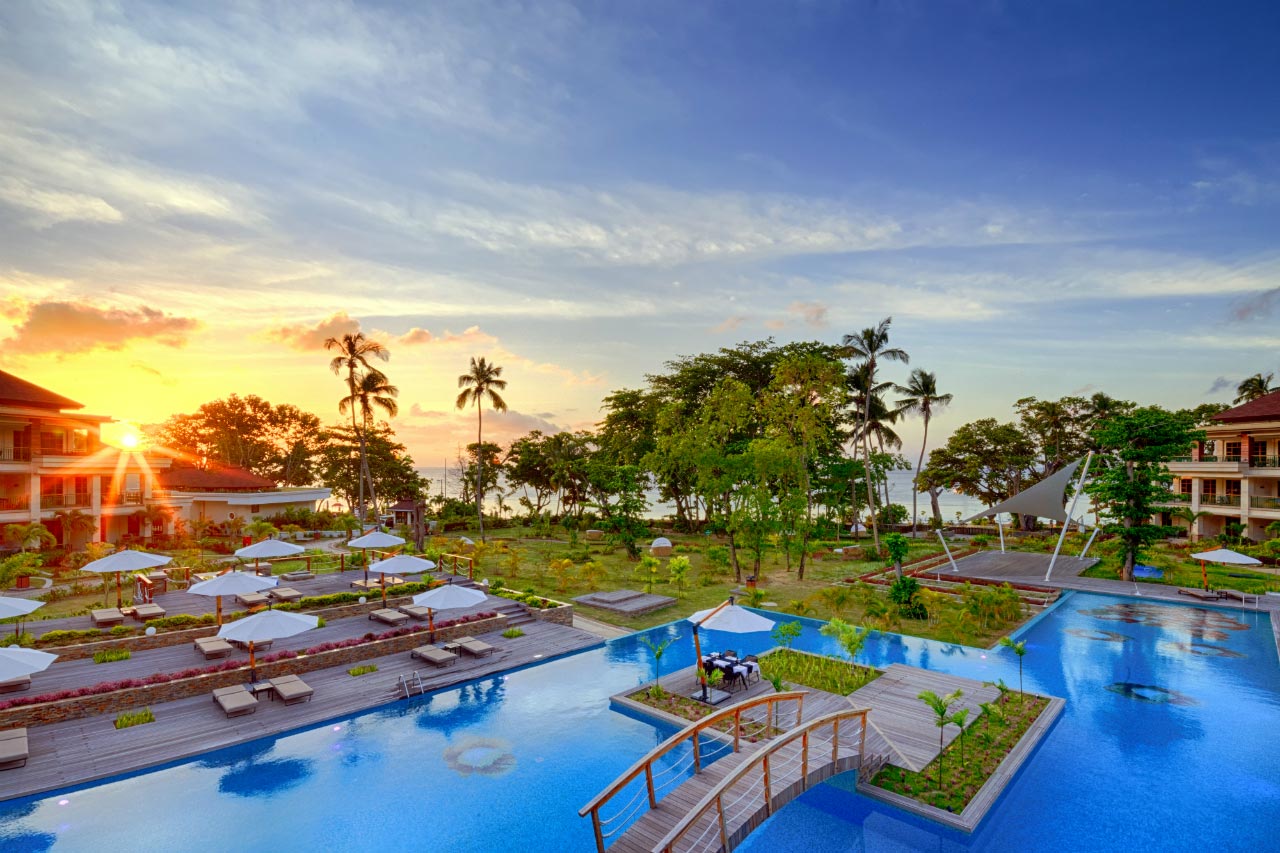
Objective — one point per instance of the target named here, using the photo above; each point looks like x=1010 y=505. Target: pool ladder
x=409 y=683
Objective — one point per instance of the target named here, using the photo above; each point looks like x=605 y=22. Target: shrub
x=181 y=621
x=121 y=631
x=362 y=670
x=62 y=638
x=125 y=719
x=512 y=633
x=109 y=655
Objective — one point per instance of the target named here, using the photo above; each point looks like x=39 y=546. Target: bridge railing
x=750 y=790
x=764 y=719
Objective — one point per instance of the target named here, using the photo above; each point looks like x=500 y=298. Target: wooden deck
x=900 y=730
x=75 y=752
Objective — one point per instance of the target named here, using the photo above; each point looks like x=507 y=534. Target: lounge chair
x=284 y=593
x=1202 y=594
x=252 y=599
x=235 y=700
x=143 y=612
x=291 y=689
x=389 y=616
x=213 y=647
x=13 y=749
x=415 y=611
x=1238 y=595
x=263 y=571
x=474 y=647
x=107 y=617
x=13 y=685
x=434 y=656
x=303 y=575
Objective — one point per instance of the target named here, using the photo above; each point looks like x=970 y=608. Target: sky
x=1048 y=198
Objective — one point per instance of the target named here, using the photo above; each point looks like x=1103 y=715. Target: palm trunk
x=480 y=466
x=915 y=481
x=871 y=495
x=351 y=385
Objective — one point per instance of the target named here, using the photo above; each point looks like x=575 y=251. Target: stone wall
x=152 y=694
x=561 y=615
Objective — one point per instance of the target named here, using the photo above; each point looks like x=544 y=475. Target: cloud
x=160 y=377
x=728 y=324
x=775 y=324
x=1220 y=384
x=456 y=428
x=812 y=313
x=306 y=338
x=65 y=328
x=415 y=336
x=1257 y=306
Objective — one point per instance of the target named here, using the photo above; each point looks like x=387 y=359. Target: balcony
x=126 y=498
x=14 y=503
x=1206 y=465
x=1265 y=503
x=1264 y=461
x=15 y=454
x=65 y=501
x=1175 y=498
x=1219 y=500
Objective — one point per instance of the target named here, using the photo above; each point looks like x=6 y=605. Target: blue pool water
x=1180 y=753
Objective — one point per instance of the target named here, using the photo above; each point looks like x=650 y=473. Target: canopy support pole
x=1071 y=511
x=1089 y=544
x=954 y=567
x=697 y=646
x=1000 y=524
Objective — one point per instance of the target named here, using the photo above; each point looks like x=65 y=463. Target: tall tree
x=483 y=381
x=355 y=350
x=871 y=346
x=1257 y=385
x=1132 y=480
x=374 y=391
x=920 y=397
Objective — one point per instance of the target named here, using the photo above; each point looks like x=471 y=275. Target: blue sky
x=1048 y=197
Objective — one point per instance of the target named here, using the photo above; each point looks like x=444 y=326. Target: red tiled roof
x=20 y=391
x=1262 y=409
x=403 y=505
x=188 y=478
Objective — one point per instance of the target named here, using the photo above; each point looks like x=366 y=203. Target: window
x=1233 y=487
x=1184 y=486
x=1209 y=487
x=80 y=441
x=254 y=508
x=1233 y=451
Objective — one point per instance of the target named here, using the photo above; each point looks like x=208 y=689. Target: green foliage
x=66 y=637
x=718 y=559
x=109 y=655
x=904 y=593
x=678 y=572
x=122 y=631
x=893 y=514
x=786 y=633
x=357 y=671
x=852 y=638
x=125 y=719
x=1020 y=649
x=941 y=707
x=817 y=671
x=657 y=648
x=512 y=633
x=24 y=640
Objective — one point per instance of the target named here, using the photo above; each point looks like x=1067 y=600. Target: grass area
x=357 y=671
x=694 y=710
x=512 y=633
x=1180 y=570
x=830 y=675
x=967 y=763
x=125 y=719
x=109 y=655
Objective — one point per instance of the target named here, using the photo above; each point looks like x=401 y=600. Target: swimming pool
x=506 y=761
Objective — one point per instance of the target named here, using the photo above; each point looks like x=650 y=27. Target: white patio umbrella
x=376 y=539
x=1225 y=556
x=447 y=597
x=10 y=607
x=724 y=617
x=231 y=583
x=264 y=626
x=16 y=662
x=267 y=549
x=401 y=564
x=125 y=561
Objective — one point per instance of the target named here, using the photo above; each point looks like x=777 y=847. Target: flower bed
x=692 y=710
x=828 y=674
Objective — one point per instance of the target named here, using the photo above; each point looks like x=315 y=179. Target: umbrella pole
x=253 y=669
x=1204 y=575
x=384 y=590
x=364 y=558
x=219 y=611
x=119 y=600
x=697 y=662
x=431 y=625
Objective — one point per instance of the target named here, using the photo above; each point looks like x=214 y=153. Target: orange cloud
x=813 y=313
x=311 y=338
x=728 y=324
x=69 y=327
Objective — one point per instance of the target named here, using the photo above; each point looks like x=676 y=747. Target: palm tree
x=355 y=352
x=1184 y=512
x=920 y=396
x=155 y=517
x=871 y=345
x=942 y=717
x=1254 y=387
x=482 y=381
x=25 y=536
x=374 y=391
x=260 y=529
x=1019 y=649
x=73 y=522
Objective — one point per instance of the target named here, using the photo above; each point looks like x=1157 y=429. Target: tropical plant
x=799 y=607
x=941 y=707
x=74 y=522
x=355 y=350
x=260 y=529
x=657 y=649
x=591 y=573
x=1255 y=386
x=836 y=597
x=347 y=523
x=920 y=396
x=960 y=717
x=898 y=547
x=28 y=536
x=373 y=391
x=871 y=345
x=786 y=633
x=482 y=381
x=1191 y=517
x=1020 y=649
x=852 y=638
x=992 y=712
x=678 y=572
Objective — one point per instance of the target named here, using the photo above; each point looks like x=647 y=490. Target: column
x=34 y=507
x=1193 y=532
x=95 y=506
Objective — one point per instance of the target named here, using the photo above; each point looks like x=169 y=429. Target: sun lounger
x=415 y=612
x=1240 y=596
x=13 y=685
x=389 y=616
x=13 y=748
x=1202 y=594
x=213 y=647
x=291 y=577
x=235 y=700
x=143 y=612
x=284 y=593
x=434 y=656
x=252 y=599
x=475 y=647
x=109 y=616
x=291 y=689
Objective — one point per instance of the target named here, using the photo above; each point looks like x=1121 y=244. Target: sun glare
x=130 y=441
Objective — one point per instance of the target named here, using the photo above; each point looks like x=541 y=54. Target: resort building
x=1234 y=474
x=54 y=469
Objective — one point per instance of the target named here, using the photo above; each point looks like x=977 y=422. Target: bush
x=512 y=633
x=181 y=621
x=134 y=718
x=63 y=638
x=902 y=592
x=109 y=655
x=356 y=671
x=893 y=514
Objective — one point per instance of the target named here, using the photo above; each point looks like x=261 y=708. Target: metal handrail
x=689 y=732
x=714 y=797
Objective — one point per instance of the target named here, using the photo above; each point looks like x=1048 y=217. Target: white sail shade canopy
x=1043 y=500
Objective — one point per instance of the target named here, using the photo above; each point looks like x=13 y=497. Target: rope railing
x=692 y=734
x=729 y=806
